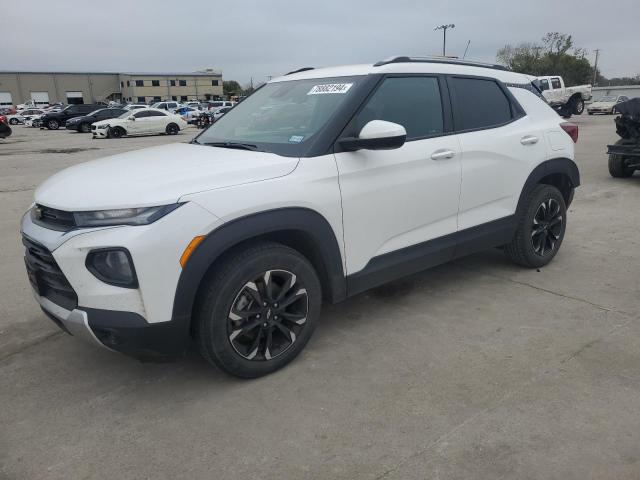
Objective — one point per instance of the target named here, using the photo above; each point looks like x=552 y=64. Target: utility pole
x=595 y=67
x=444 y=29
x=466 y=49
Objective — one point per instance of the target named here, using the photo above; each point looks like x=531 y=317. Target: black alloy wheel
x=172 y=129
x=53 y=125
x=547 y=227
x=268 y=315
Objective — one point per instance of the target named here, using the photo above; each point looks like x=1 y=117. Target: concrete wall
x=630 y=91
x=94 y=86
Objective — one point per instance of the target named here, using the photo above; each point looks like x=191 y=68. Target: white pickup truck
x=565 y=100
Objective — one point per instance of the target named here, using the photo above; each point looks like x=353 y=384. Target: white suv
x=320 y=185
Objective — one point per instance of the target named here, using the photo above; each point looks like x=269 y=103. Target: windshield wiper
x=240 y=146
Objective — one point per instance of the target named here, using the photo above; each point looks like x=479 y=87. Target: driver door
x=137 y=126
x=394 y=200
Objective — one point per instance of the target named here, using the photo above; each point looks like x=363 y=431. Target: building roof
x=143 y=74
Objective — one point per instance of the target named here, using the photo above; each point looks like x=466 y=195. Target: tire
x=577 y=106
x=172 y=129
x=116 y=132
x=13 y=121
x=618 y=167
x=53 y=125
x=84 y=127
x=239 y=284
x=545 y=211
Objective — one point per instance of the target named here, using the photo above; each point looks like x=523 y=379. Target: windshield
x=608 y=98
x=281 y=114
x=127 y=114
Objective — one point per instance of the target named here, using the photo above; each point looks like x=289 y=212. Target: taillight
x=571 y=129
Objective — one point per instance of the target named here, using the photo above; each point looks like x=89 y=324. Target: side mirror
x=133 y=118
x=376 y=135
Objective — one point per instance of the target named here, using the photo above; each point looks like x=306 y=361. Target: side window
x=142 y=114
x=413 y=102
x=480 y=104
x=555 y=83
x=153 y=113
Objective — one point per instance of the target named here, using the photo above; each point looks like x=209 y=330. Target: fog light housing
x=113 y=266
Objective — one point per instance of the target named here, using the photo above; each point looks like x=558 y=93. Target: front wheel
x=540 y=228
x=115 y=132
x=13 y=121
x=53 y=125
x=258 y=310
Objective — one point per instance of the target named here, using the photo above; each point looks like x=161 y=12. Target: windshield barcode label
x=330 y=88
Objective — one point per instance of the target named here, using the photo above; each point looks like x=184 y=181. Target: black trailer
x=624 y=155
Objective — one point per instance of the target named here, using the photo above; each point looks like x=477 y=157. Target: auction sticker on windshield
x=330 y=88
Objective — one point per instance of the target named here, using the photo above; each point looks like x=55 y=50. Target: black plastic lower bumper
x=131 y=334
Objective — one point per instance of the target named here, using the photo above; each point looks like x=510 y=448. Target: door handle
x=442 y=154
x=529 y=140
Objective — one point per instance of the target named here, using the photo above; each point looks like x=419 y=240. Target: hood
x=157 y=176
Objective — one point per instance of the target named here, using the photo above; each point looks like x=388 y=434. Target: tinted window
x=142 y=114
x=480 y=104
x=183 y=83
x=155 y=83
x=555 y=83
x=544 y=84
x=155 y=114
x=173 y=83
x=139 y=83
x=413 y=102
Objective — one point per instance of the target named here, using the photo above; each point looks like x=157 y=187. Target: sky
x=257 y=39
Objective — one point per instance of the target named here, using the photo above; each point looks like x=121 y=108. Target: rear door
x=500 y=143
x=395 y=199
x=155 y=122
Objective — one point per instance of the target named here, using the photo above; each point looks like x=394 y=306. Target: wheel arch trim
x=558 y=166
x=253 y=226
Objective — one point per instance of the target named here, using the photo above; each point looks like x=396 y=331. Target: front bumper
x=135 y=321
x=99 y=132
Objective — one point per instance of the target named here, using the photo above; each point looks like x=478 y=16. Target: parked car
x=34 y=121
x=365 y=174
x=147 y=121
x=606 y=104
x=5 y=129
x=169 y=106
x=565 y=100
x=219 y=112
x=188 y=114
x=215 y=104
x=83 y=124
x=55 y=120
x=135 y=106
x=24 y=115
x=194 y=104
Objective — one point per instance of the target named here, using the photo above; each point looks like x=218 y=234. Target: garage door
x=74 y=98
x=5 y=99
x=40 y=98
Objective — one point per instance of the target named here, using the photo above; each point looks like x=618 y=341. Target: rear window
x=480 y=104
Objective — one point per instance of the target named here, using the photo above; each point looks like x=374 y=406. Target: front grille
x=52 y=218
x=46 y=277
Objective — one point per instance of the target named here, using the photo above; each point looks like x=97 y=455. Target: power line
x=595 y=67
x=444 y=29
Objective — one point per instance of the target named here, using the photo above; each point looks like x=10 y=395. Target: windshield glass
x=608 y=98
x=127 y=114
x=281 y=114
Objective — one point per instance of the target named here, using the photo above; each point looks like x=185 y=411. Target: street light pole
x=444 y=38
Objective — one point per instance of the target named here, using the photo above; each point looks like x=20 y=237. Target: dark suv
x=83 y=124
x=55 y=120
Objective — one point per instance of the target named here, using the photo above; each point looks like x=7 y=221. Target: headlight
x=125 y=216
x=103 y=126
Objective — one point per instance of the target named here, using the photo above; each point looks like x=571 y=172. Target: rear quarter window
x=480 y=103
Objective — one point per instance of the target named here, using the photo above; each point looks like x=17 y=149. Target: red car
x=5 y=129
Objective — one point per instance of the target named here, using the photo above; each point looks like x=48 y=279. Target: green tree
x=231 y=87
x=554 y=55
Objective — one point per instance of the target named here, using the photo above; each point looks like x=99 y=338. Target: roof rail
x=303 y=69
x=451 y=61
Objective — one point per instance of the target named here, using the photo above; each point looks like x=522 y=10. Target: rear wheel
x=577 y=106
x=618 y=167
x=258 y=310
x=172 y=129
x=540 y=228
